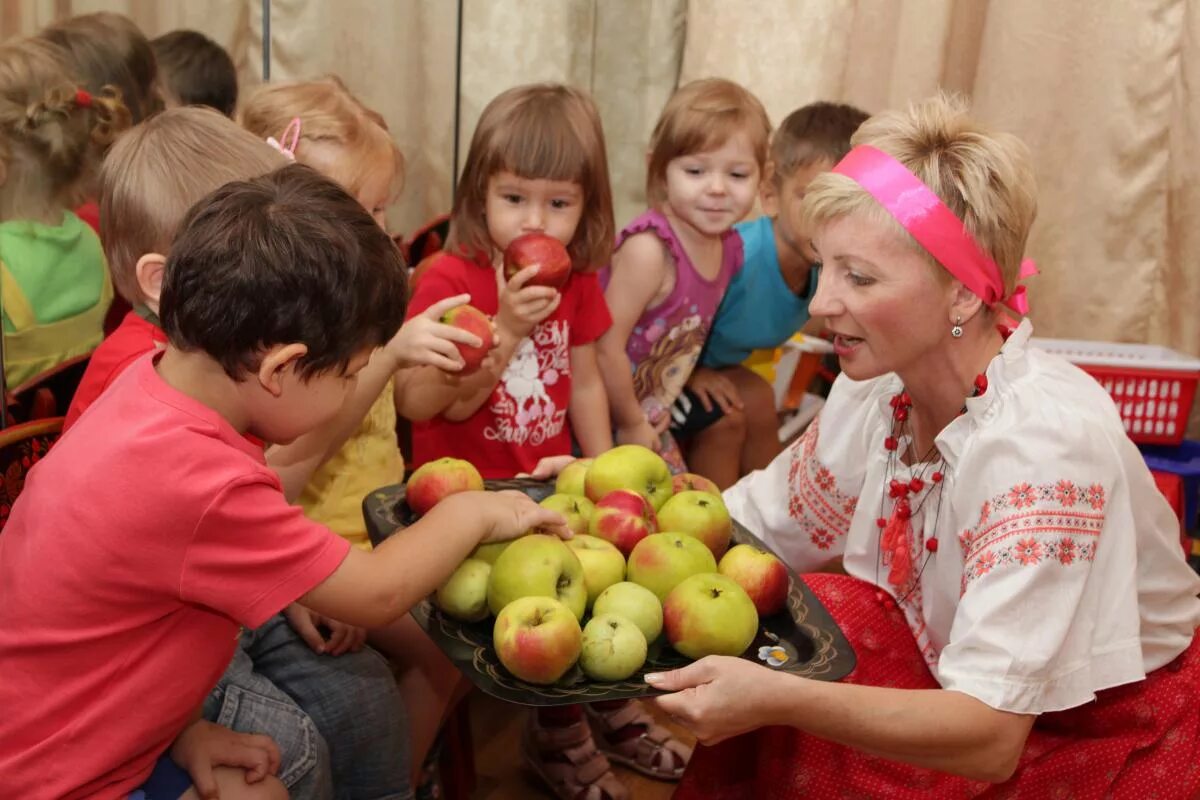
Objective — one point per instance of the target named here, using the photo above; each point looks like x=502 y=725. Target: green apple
x=570 y=480
x=761 y=574
x=434 y=481
x=537 y=639
x=576 y=509
x=538 y=565
x=603 y=564
x=629 y=466
x=698 y=514
x=709 y=615
x=490 y=552
x=464 y=595
x=635 y=603
x=613 y=648
x=662 y=560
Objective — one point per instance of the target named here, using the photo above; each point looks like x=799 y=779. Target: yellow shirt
x=370 y=458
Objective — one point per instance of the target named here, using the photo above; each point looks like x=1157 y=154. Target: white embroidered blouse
x=1058 y=570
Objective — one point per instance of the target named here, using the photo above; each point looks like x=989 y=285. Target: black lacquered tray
x=803 y=639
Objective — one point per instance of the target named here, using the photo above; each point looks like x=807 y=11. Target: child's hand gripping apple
x=472 y=321
x=547 y=253
x=449 y=335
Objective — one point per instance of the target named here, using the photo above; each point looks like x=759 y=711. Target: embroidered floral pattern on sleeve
x=820 y=509
x=1030 y=524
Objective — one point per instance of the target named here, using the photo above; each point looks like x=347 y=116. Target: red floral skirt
x=1137 y=741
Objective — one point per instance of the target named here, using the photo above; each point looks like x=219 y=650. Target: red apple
x=471 y=320
x=709 y=615
x=434 y=481
x=624 y=518
x=691 y=482
x=629 y=466
x=551 y=257
x=699 y=514
x=537 y=639
x=761 y=574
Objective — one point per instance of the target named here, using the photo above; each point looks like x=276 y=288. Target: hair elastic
x=83 y=98
x=935 y=227
x=288 y=141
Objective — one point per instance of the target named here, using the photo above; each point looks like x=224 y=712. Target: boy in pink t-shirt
x=130 y=562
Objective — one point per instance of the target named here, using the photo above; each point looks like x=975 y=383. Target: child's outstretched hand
x=547 y=467
x=512 y=514
x=522 y=307
x=343 y=638
x=424 y=340
x=204 y=746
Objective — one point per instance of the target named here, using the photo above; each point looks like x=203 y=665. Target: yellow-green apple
x=537 y=638
x=699 y=514
x=464 y=595
x=662 y=560
x=538 y=565
x=691 y=482
x=471 y=320
x=635 y=603
x=575 y=509
x=570 y=480
x=624 y=518
x=552 y=259
x=433 y=481
x=629 y=466
x=709 y=615
x=603 y=564
x=490 y=552
x=760 y=573
x=613 y=648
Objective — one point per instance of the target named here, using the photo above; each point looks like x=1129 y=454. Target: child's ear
x=768 y=192
x=276 y=362
x=149 y=275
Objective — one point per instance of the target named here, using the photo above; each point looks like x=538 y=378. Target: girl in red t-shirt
x=536 y=163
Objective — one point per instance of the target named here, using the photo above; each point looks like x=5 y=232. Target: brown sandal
x=575 y=768
x=655 y=752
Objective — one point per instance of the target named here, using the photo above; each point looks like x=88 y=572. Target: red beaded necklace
x=895 y=544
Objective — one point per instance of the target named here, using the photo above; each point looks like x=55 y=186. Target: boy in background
x=195 y=71
x=765 y=304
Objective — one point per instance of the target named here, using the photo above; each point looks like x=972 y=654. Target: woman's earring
x=957 y=330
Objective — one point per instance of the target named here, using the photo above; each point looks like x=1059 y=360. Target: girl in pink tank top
x=673 y=263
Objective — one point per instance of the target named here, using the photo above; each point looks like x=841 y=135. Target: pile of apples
x=650 y=556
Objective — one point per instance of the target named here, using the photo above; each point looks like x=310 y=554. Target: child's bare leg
x=762 y=422
x=429 y=683
x=713 y=452
x=231 y=784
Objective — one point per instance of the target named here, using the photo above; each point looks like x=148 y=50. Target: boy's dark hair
x=288 y=257
x=817 y=132
x=196 y=70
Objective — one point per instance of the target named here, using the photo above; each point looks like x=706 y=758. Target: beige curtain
x=1100 y=92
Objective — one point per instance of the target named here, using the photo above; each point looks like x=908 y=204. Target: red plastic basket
x=1153 y=387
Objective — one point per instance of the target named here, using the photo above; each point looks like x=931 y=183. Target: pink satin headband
x=923 y=214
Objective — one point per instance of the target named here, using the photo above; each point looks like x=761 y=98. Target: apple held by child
x=538 y=565
x=549 y=254
x=707 y=615
x=570 y=480
x=662 y=560
x=624 y=518
x=691 y=482
x=537 y=639
x=603 y=564
x=474 y=321
x=464 y=595
x=613 y=648
x=761 y=574
x=629 y=466
x=699 y=514
x=635 y=603
x=575 y=509
x=434 y=481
